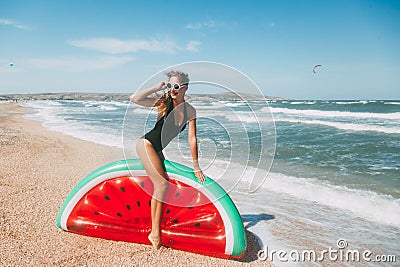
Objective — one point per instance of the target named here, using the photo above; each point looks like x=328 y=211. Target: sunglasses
x=176 y=86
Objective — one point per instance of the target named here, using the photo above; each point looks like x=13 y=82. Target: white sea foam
x=344 y=126
x=47 y=114
x=250 y=117
x=354 y=102
x=208 y=105
x=392 y=103
x=89 y=104
x=120 y=104
x=366 y=204
x=52 y=103
x=234 y=104
x=302 y=103
x=107 y=107
x=145 y=110
x=92 y=134
x=332 y=114
x=245 y=117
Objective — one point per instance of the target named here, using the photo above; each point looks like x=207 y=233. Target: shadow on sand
x=253 y=241
x=253 y=219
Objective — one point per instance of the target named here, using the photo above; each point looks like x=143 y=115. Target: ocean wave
x=45 y=110
x=345 y=126
x=392 y=103
x=53 y=103
x=367 y=204
x=120 y=104
x=244 y=117
x=48 y=114
x=145 y=110
x=370 y=205
x=303 y=103
x=94 y=134
x=107 y=107
x=354 y=102
x=332 y=114
x=233 y=103
x=207 y=105
x=41 y=104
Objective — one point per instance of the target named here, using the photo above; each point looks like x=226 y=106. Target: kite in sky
x=316 y=66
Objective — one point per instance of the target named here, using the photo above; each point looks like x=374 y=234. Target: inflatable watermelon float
x=113 y=202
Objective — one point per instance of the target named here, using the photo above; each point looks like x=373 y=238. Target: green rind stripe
x=120 y=165
x=179 y=169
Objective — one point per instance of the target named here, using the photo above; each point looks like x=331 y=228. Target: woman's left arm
x=192 y=138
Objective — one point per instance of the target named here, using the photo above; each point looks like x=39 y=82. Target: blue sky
x=114 y=46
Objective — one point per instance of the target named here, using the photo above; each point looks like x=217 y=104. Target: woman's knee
x=160 y=187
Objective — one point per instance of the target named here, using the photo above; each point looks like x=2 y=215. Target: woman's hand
x=161 y=86
x=200 y=175
x=141 y=96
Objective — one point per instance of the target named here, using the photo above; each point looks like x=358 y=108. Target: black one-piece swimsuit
x=165 y=129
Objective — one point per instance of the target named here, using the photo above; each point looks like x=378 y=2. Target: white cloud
x=192 y=46
x=8 y=22
x=117 y=46
x=72 y=64
x=201 y=25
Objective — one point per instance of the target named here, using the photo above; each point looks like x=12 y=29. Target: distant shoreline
x=125 y=96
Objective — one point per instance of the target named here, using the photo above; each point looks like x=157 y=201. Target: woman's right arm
x=141 y=96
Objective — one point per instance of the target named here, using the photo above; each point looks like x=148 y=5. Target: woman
x=173 y=115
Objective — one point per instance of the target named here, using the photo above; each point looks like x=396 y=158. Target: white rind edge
x=99 y=179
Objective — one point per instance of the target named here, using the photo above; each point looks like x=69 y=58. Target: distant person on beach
x=174 y=113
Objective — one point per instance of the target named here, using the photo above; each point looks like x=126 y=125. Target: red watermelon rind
x=236 y=240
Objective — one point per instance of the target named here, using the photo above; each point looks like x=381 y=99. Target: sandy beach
x=38 y=169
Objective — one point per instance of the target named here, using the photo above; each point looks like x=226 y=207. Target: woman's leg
x=155 y=170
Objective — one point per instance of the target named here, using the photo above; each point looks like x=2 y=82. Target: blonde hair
x=183 y=77
x=165 y=101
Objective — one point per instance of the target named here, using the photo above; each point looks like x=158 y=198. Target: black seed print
x=138 y=203
x=142 y=184
x=96 y=213
x=122 y=189
x=175 y=221
x=197 y=224
x=168 y=211
x=119 y=214
x=177 y=194
x=107 y=198
x=128 y=207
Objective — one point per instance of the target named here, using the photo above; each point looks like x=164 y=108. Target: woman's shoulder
x=190 y=111
x=189 y=106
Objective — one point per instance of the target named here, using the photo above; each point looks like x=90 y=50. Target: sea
x=327 y=175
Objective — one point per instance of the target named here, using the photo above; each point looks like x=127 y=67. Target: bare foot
x=155 y=241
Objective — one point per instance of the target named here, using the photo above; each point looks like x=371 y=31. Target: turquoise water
x=336 y=166
x=352 y=143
